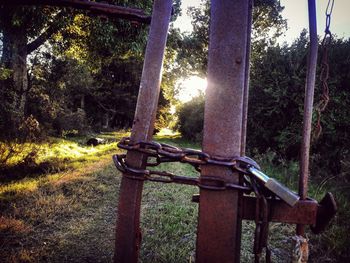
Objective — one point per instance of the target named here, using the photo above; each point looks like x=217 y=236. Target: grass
x=69 y=215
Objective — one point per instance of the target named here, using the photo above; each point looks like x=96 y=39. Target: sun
x=190 y=88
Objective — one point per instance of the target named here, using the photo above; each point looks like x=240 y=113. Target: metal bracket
x=325 y=212
x=305 y=212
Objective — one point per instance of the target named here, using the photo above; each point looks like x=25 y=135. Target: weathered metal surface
x=308 y=105
x=246 y=80
x=275 y=187
x=95 y=7
x=304 y=212
x=325 y=213
x=128 y=230
x=218 y=233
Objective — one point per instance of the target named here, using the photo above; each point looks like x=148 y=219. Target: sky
x=296 y=13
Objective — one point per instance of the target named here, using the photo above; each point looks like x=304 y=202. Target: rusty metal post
x=218 y=234
x=128 y=236
x=246 y=80
x=308 y=105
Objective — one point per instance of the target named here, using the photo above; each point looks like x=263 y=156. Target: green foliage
x=276 y=93
x=267 y=25
x=275 y=128
x=190 y=118
x=277 y=89
x=91 y=63
x=5 y=73
x=26 y=144
x=68 y=121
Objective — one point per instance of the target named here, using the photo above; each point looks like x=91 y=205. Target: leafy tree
x=58 y=88
x=190 y=118
x=92 y=42
x=276 y=93
x=331 y=150
x=276 y=107
x=192 y=49
x=23 y=30
x=267 y=25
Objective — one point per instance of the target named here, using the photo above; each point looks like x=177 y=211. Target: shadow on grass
x=57 y=155
x=22 y=170
x=70 y=218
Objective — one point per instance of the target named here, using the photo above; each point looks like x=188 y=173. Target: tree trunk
x=82 y=102
x=20 y=79
x=106 y=124
x=14 y=58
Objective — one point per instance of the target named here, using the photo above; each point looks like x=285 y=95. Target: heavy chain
x=204 y=182
x=324 y=74
x=162 y=153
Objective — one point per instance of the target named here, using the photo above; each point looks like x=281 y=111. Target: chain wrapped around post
x=162 y=153
x=157 y=153
x=254 y=182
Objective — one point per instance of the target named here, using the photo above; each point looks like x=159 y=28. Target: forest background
x=66 y=73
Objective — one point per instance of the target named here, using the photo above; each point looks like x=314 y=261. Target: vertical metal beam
x=308 y=105
x=128 y=236
x=246 y=80
x=218 y=236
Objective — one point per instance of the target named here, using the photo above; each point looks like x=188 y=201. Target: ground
x=70 y=216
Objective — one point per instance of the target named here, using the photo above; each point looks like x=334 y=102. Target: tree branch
x=132 y=14
x=104 y=108
x=52 y=29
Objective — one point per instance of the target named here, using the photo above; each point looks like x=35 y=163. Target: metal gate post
x=308 y=105
x=218 y=235
x=128 y=236
x=246 y=80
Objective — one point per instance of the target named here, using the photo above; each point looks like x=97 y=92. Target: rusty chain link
x=205 y=182
x=324 y=73
x=328 y=12
x=168 y=153
x=161 y=153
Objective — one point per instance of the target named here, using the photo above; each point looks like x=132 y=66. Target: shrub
x=24 y=148
x=68 y=121
x=190 y=119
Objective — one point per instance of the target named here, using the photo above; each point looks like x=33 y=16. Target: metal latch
x=275 y=187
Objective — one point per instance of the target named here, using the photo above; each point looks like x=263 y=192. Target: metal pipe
x=128 y=236
x=246 y=80
x=308 y=105
x=218 y=234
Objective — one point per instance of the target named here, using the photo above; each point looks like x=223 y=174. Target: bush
x=24 y=147
x=71 y=121
x=191 y=118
